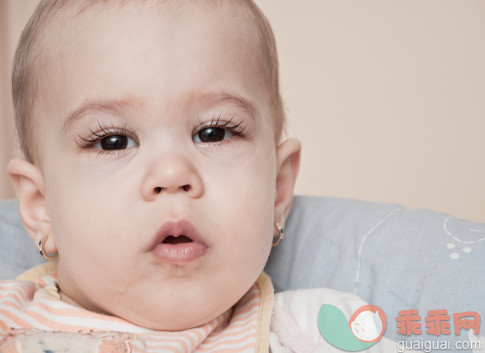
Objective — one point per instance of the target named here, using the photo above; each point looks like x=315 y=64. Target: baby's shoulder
x=15 y=297
x=17 y=290
x=43 y=277
x=302 y=307
x=21 y=296
x=305 y=320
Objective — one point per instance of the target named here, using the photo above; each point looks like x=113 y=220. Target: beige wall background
x=387 y=97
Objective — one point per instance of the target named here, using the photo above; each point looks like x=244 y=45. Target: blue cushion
x=391 y=256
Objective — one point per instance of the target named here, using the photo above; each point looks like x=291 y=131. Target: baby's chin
x=162 y=312
x=174 y=310
x=179 y=320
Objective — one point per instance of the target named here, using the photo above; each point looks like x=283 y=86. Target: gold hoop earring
x=280 y=234
x=43 y=253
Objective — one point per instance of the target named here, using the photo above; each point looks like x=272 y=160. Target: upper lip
x=175 y=229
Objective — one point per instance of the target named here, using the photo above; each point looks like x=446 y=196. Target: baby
x=155 y=176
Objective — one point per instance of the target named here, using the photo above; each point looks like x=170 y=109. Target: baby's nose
x=170 y=174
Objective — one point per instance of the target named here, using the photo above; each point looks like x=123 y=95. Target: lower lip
x=179 y=253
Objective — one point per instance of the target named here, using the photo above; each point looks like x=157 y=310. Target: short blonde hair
x=28 y=63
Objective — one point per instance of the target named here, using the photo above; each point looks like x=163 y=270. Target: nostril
x=158 y=189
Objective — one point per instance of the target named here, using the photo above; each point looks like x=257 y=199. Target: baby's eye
x=212 y=134
x=115 y=142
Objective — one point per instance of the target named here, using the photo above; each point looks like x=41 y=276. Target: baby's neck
x=67 y=299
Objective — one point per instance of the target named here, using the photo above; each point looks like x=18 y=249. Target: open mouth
x=176 y=240
x=178 y=243
x=173 y=233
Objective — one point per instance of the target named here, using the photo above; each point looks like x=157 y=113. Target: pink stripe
x=206 y=338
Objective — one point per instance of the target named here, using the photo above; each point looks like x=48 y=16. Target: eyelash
x=102 y=132
x=112 y=129
x=239 y=129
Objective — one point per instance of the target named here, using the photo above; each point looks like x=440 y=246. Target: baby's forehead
x=230 y=24
x=168 y=36
x=236 y=16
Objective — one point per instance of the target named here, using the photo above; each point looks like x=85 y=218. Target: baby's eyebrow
x=127 y=104
x=93 y=105
x=239 y=101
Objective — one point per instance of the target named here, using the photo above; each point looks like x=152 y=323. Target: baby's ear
x=28 y=183
x=288 y=165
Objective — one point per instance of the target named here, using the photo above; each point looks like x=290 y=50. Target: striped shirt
x=33 y=318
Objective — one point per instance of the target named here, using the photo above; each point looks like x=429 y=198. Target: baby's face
x=152 y=97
